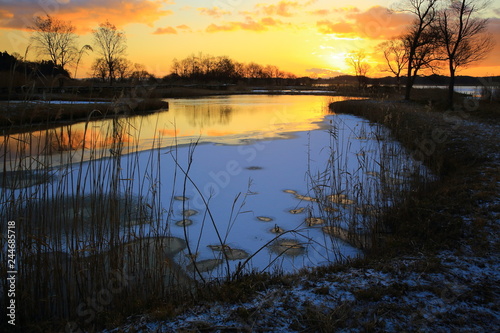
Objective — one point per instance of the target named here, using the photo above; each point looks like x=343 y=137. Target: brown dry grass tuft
x=431 y=216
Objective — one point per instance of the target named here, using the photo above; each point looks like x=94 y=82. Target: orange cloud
x=269 y=21
x=340 y=28
x=4 y=14
x=346 y=10
x=375 y=23
x=249 y=24
x=219 y=28
x=379 y=23
x=184 y=28
x=282 y=8
x=166 y=30
x=320 y=12
x=214 y=12
x=342 y=10
x=233 y=26
x=85 y=15
x=492 y=58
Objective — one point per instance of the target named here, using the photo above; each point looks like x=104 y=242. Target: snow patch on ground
x=462 y=295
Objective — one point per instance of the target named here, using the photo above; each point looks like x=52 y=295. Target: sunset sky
x=305 y=37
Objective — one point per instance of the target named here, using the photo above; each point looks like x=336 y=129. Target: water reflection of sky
x=223 y=120
x=230 y=119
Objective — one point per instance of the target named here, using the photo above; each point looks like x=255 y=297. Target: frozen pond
x=272 y=182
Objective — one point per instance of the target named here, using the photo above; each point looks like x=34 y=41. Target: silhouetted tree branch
x=463 y=37
x=56 y=39
x=357 y=60
x=110 y=43
x=420 y=39
x=396 y=57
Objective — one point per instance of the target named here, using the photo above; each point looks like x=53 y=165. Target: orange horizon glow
x=304 y=37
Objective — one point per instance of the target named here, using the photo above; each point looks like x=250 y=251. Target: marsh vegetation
x=158 y=208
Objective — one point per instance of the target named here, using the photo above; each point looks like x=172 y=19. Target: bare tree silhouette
x=357 y=60
x=420 y=39
x=396 y=57
x=463 y=37
x=55 y=39
x=110 y=43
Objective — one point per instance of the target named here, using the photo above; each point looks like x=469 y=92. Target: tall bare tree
x=396 y=57
x=357 y=60
x=111 y=44
x=425 y=56
x=56 y=39
x=463 y=37
x=419 y=39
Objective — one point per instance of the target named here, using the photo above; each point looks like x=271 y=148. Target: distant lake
x=474 y=91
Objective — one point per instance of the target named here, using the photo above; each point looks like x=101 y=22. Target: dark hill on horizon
x=431 y=80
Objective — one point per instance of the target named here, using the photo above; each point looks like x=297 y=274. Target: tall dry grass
x=91 y=232
x=368 y=174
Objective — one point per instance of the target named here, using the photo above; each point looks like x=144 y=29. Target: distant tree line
x=13 y=65
x=123 y=70
x=427 y=80
x=205 y=67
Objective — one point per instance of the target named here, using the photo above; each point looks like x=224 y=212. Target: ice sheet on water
x=231 y=186
x=246 y=184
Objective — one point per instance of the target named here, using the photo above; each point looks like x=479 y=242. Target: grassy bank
x=23 y=113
